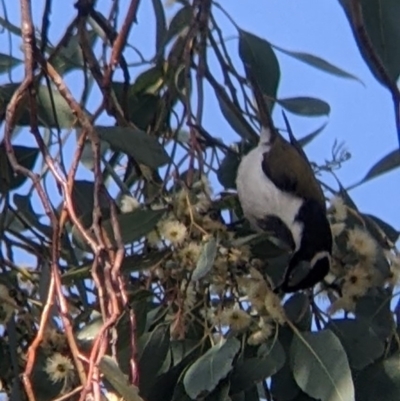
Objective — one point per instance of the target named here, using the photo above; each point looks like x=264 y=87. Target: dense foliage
x=123 y=273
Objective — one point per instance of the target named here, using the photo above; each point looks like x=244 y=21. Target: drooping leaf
x=10 y=27
x=7 y=62
x=82 y=197
x=269 y=360
x=118 y=380
x=88 y=333
x=59 y=116
x=346 y=198
x=380 y=381
x=87 y=158
x=259 y=58
x=131 y=263
x=180 y=349
x=374 y=309
x=161 y=24
x=175 y=75
x=234 y=117
x=376 y=231
x=380 y=20
x=206 y=372
x=386 y=164
x=179 y=22
x=53 y=110
x=227 y=171
x=25 y=156
x=283 y=385
x=151 y=78
x=361 y=344
x=389 y=231
x=206 y=260
x=152 y=357
x=144 y=148
x=143 y=109
x=134 y=225
x=70 y=56
x=298 y=311
x=307 y=106
x=25 y=210
x=311 y=136
x=320 y=366
x=318 y=63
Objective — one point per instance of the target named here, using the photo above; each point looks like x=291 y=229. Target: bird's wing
x=286 y=175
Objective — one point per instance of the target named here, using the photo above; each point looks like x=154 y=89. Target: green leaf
x=179 y=22
x=380 y=381
x=59 y=115
x=259 y=58
x=250 y=371
x=90 y=330
x=70 y=56
x=161 y=24
x=298 y=311
x=374 y=309
x=7 y=62
x=377 y=233
x=87 y=158
x=311 y=136
x=118 y=380
x=82 y=197
x=347 y=200
x=305 y=106
x=25 y=156
x=361 y=344
x=135 y=225
x=380 y=19
x=227 y=171
x=206 y=260
x=234 y=117
x=143 y=109
x=144 y=148
x=386 y=164
x=204 y=375
x=152 y=357
x=180 y=349
x=151 y=78
x=389 y=231
x=318 y=63
x=25 y=210
x=134 y=262
x=131 y=263
x=10 y=27
x=320 y=366
x=283 y=385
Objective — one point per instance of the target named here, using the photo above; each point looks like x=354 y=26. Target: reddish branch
x=27 y=88
x=120 y=41
x=104 y=253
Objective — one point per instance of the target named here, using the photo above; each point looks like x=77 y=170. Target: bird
x=278 y=191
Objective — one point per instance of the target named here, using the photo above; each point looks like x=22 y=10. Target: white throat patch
x=259 y=197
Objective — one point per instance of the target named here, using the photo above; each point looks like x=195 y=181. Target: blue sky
x=361 y=116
